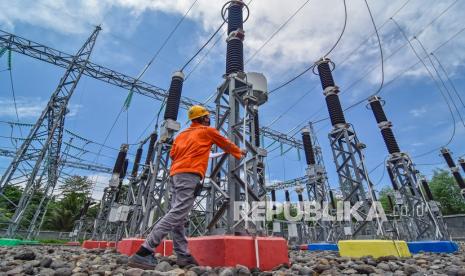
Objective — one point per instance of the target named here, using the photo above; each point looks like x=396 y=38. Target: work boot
x=186 y=260
x=143 y=262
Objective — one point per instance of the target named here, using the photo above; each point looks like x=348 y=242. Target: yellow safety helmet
x=197 y=111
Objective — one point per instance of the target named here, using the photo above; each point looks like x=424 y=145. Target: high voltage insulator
x=174 y=96
x=454 y=169
x=308 y=147
x=137 y=159
x=427 y=190
x=119 y=165
x=235 y=47
x=330 y=91
x=122 y=174
x=153 y=140
x=332 y=199
x=462 y=163
x=385 y=125
x=286 y=195
x=256 y=128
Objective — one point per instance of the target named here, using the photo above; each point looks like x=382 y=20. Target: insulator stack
x=137 y=159
x=462 y=163
x=122 y=174
x=390 y=202
x=235 y=47
x=455 y=172
x=153 y=140
x=330 y=90
x=288 y=198
x=119 y=164
x=333 y=200
x=174 y=96
x=448 y=157
x=308 y=147
x=256 y=128
x=391 y=177
x=384 y=125
x=427 y=190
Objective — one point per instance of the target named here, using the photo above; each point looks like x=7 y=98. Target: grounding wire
x=382 y=25
x=448 y=78
x=434 y=80
x=203 y=46
x=387 y=84
x=277 y=31
x=442 y=81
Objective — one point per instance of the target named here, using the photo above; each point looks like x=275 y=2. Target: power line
x=313 y=65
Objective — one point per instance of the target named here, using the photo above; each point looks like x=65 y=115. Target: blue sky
x=133 y=30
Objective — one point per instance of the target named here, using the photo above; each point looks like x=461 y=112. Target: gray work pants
x=182 y=200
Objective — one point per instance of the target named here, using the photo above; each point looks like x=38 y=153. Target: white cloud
x=30 y=108
x=310 y=34
x=418 y=112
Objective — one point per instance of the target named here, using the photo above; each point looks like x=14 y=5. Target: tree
x=447 y=193
x=7 y=209
x=63 y=212
x=383 y=198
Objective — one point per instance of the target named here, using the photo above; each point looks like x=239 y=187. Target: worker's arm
x=173 y=150
x=224 y=143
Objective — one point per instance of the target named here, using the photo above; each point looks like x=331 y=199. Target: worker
x=190 y=153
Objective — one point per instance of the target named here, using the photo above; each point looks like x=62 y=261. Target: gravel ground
x=64 y=261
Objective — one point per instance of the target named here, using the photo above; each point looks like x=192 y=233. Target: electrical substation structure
x=237 y=102
x=110 y=211
x=347 y=150
x=44 y=157
x=417 y=214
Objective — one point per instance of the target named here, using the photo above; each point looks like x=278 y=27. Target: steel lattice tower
x=104 y=225
x=237 y=101
x=409 y=198
x=42 y=147
x=317 y=184
x=355 y=184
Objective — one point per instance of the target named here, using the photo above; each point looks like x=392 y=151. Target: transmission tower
x=317 y=183
x=455 y=170
x=416 y=216
x=355 y=184
x=237 y=101
x=108 y=214
x=49 y=128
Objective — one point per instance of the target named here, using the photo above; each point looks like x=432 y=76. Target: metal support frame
x=41 y=52
x=349 y=159
x=49 y=128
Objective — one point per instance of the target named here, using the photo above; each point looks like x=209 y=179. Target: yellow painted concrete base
x=375 y=248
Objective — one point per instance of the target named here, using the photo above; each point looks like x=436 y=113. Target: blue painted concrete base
x=433 y=246
x=323 y=246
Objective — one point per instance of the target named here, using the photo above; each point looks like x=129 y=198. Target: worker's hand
x=244 y=152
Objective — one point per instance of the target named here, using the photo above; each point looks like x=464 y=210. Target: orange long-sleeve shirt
x=191 y=149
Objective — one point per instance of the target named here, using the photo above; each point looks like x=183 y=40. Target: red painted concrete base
x=73 y=243
x=89 y=244
x=130 y=246
x=303 y=247
x=111 y=244
x=232 y=250
x=225 y=250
